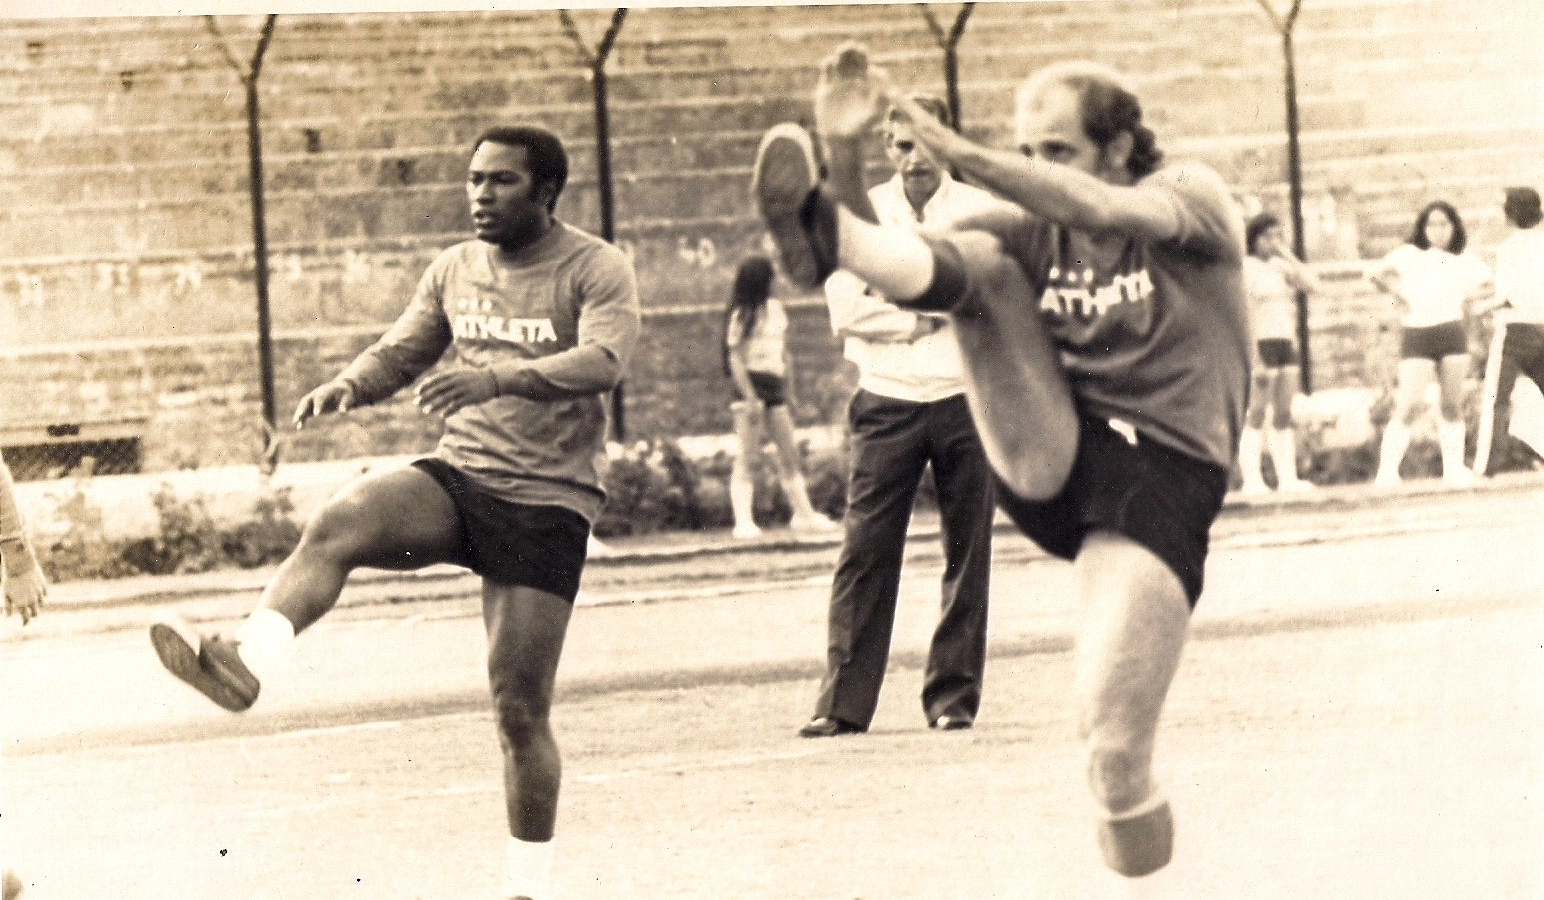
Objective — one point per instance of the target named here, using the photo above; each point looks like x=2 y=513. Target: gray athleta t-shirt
x=1154 y=334
x=567 y=306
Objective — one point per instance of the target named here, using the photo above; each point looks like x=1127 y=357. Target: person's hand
x=851 y=94
x=24 y=592
x=446 y=393
x=334 y=396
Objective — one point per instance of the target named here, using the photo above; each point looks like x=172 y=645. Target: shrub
x=187 y=538
x=83 y=550
x=652 y=486
x=268 y=536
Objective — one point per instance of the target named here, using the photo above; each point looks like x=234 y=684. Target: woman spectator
x=1434 y=279
x=1272 y=277
x=756 y=358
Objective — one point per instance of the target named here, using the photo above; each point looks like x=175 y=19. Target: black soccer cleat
x=785 y=182
x=210 y=664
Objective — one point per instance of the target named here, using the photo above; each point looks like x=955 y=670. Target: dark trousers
x=892 y=442
x=1518 y=348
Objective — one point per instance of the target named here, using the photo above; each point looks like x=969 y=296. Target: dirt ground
x=1360 y=715
x=1395 y=759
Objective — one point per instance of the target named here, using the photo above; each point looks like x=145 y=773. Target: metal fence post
x=597 y=63
x=249 y=76
x=950 y=42
x=1285 y=25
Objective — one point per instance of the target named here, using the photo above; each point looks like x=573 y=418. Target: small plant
x=187 y=538
x=83 y=549
x=268 y=536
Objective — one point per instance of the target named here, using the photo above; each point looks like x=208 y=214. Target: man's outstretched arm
x=1051 y=191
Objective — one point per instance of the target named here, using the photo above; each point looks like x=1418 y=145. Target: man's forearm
x=1055 y=193
x=580 y=372
x=372 y=379
x=14 y=547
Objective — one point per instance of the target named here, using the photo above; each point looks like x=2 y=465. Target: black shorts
x=1163 y=499
x=541 y=547
x=1434 y=342
x=1277 y=352
x=771 y=389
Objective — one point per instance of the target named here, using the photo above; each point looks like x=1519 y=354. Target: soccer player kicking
x=1103 y=328
x=542 y=318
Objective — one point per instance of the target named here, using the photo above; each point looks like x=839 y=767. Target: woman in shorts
x=1272 y=277
x=1434 y=279
x=756 y=359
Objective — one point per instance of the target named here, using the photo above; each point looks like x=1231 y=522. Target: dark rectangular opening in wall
x=42 y=462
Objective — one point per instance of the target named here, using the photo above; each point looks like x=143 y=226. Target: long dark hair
x=752 y=287
x=1456 y=243
x=1258 y=226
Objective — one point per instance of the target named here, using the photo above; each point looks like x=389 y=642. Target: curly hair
x=544 y=154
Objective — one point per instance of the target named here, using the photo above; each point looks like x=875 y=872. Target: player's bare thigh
x=396 y=519
x=1017 y=391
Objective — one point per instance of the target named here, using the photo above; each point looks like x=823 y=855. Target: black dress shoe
x=953 y=723
x=827 y=726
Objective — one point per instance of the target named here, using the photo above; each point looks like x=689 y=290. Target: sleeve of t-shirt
x=609 y=321
x=1210 y=225
x=410 y=346
x=1393 y=262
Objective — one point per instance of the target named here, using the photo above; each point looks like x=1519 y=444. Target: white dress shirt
x=878 y=332
x=1520 y=275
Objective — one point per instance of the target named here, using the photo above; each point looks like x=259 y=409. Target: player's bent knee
x=520 y=715
x=1032 y=474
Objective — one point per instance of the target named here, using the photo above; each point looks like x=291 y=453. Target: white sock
x=530 y=869
x=1153 y=801
x=894 y=261
x=1251 y=445
x=1450 y=438
x=1391 y=450
x=1283 y=442
x=267 y=643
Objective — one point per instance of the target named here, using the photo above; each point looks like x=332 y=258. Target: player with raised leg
x=1104 y=332
x=542 y=318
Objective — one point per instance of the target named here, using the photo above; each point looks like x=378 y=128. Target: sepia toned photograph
x=868 y=451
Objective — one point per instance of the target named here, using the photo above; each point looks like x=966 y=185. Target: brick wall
x=203 y=404
x=127 y=284
x=203 y=407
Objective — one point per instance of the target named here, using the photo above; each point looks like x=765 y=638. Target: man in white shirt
x=909 y=411
x=1518 y=344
